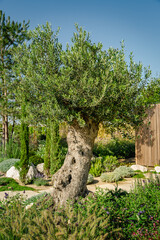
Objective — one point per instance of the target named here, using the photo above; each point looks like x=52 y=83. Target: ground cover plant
x=111 y=214
x=9 y=184
x=6 y=164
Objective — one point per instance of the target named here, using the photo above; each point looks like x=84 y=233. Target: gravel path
x=127 y=184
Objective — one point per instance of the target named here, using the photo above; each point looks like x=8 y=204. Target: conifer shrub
x=35 y=160
x=55 y=152
x=47 y=151
x=24 y=160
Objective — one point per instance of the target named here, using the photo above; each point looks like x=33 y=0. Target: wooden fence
x=148 y=139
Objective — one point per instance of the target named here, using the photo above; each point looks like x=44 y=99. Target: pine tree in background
x=24 y=160
x=11 y=34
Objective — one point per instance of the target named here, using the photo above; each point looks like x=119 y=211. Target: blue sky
x=108 y=21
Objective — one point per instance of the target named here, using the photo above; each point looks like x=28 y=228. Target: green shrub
x=7 y=164
x=111 y=214
x=90 y=178
x=41 y=149
x=124 y=171
x=35 y=160
x=110 y=177
x=121 y=148
x=110 y=163
x=41 y=182
x=96 y=167
x=24 y=159
x=13 y=149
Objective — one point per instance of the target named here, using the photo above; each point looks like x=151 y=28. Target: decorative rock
x=40 y=167
x=157 y=169
x=32 y=173
x=13 y=173
x=139 y=167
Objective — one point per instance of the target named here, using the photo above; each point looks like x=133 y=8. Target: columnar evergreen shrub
x=55 y=153
x=53 y=159
x=47 y=151
x=24 y=160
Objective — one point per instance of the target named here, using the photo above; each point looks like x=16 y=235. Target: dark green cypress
x=47 y=151
x=55 y=152
x=24 y=160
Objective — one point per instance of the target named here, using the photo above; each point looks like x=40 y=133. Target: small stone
x=40 y=167
x=139 y=167
x=157 y=169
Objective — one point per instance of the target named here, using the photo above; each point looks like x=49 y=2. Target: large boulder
x=32 y=174
x=139 y=167
x=13 y=173
x=40 y=168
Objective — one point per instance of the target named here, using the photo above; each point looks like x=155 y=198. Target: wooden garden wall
x=148 y=139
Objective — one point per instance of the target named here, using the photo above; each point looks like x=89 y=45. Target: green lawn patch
x=9 y=184
x=139 y=175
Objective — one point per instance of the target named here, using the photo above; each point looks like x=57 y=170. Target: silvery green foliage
x=124 y=171
x=110 y=177
x=7 y=164
x=41 y=149
x=90 y=179
x=82 y=81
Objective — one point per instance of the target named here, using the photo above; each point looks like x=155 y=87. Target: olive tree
x=83 y=85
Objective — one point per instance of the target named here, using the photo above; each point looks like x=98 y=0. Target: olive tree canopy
x=83 y=85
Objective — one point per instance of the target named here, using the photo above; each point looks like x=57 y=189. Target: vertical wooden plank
x=148 y=145
x=158 y=134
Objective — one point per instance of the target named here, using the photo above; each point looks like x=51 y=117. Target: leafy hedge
x=121 y=148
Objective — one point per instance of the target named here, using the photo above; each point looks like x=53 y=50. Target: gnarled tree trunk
x=70 y=181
